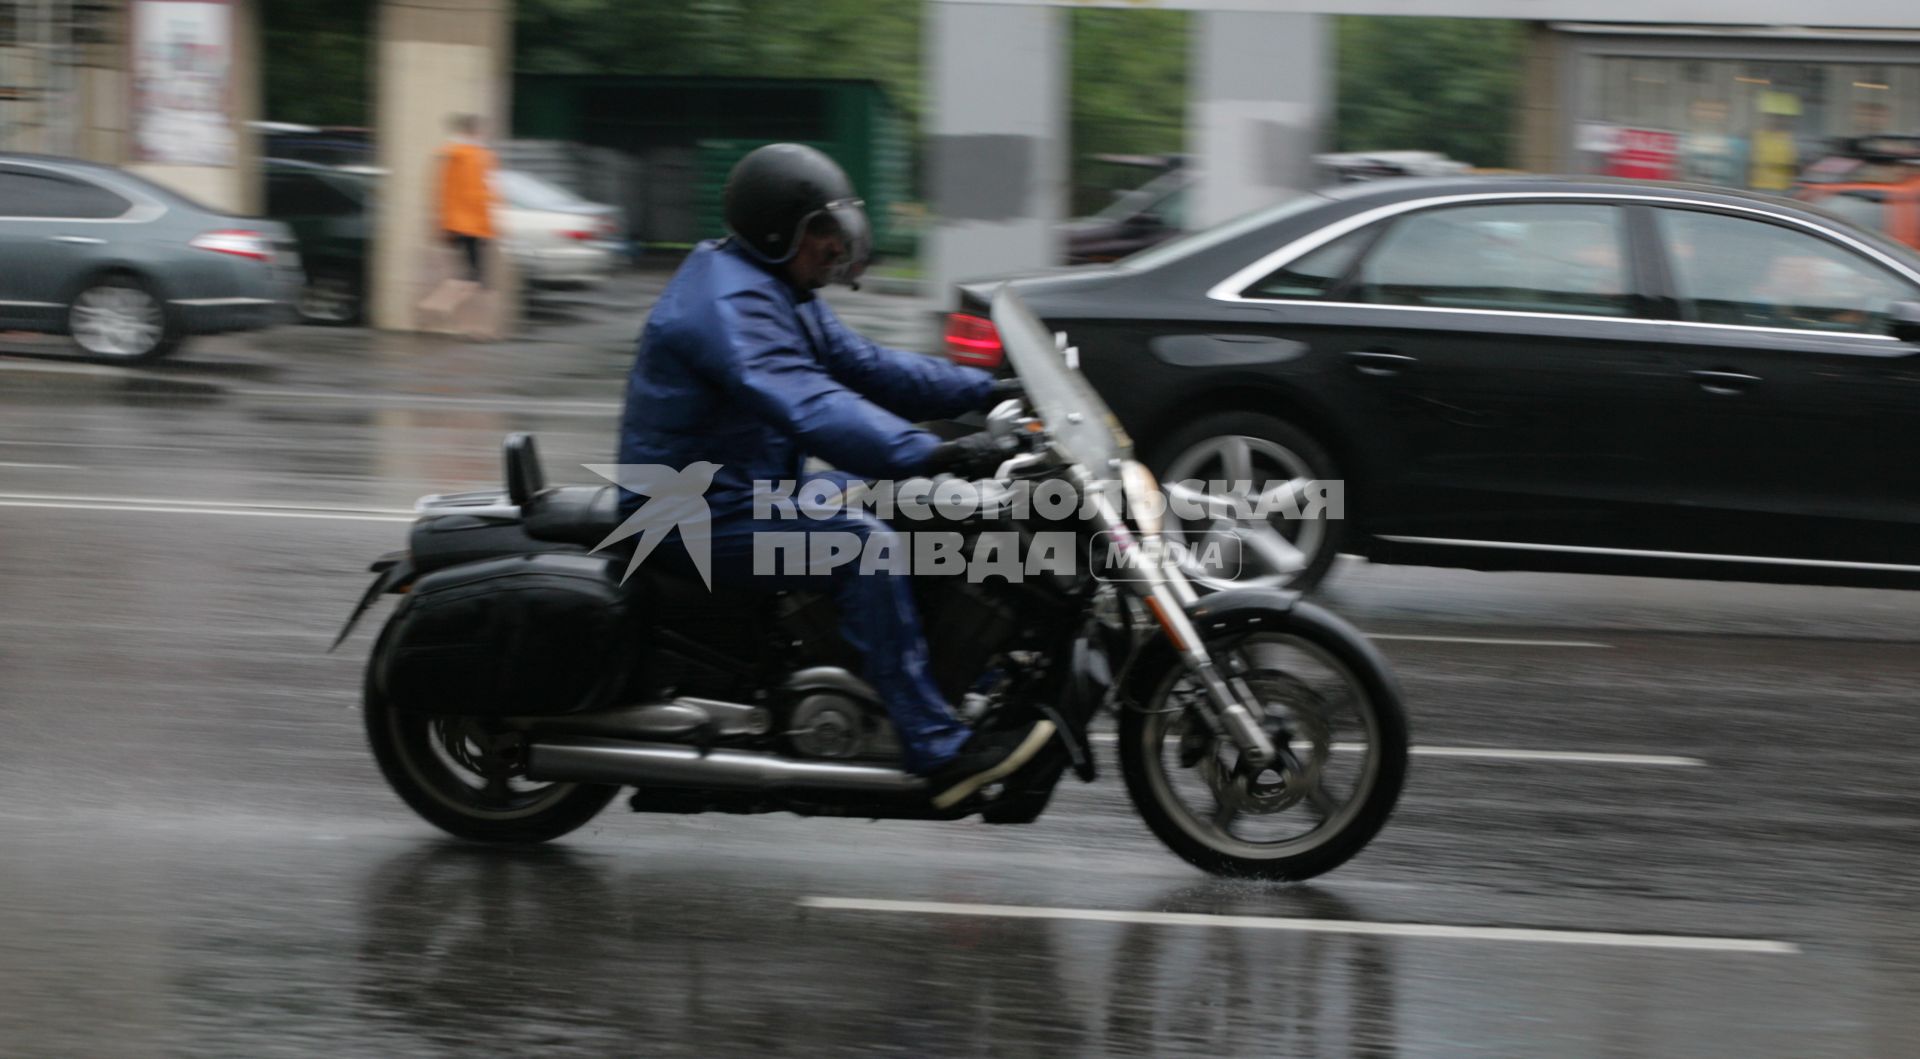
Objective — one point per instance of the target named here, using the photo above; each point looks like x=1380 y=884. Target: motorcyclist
x=741 y=365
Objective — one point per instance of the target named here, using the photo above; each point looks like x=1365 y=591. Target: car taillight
x=236 y=241
x=580 y=235
x=973 y=341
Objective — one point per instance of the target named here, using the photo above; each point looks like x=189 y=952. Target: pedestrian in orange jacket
x=466 y=194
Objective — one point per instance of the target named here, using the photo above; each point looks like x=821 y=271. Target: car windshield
x=1218 y=235
x=1074 y=414
x=528 y=192
x=1152 y=195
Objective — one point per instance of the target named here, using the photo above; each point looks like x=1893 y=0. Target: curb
x=129 y=380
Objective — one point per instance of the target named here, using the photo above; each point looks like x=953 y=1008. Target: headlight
x=1146 y=506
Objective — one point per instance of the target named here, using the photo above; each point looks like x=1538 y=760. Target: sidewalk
x=569 y=345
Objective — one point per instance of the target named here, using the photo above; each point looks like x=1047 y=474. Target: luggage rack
x=525 y=481
x=483 y=503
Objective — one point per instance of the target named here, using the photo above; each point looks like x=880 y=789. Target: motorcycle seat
x=573 y=514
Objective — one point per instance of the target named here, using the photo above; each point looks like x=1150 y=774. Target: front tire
x=458 y=775
x=331 y=297
x=1327 y=691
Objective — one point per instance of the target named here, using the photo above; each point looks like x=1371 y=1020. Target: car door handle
x=1380 y=363
x=83 y=240
x=1724 y=381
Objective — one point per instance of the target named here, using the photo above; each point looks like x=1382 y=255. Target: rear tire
x=1269 y=451
x=1200 y=838
x=119 y=318
x=411 y=752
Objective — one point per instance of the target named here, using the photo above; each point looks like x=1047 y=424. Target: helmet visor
x=851 y=217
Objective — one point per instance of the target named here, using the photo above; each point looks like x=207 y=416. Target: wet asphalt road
x=197 y=856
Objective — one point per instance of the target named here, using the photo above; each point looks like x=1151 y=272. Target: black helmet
x=777 y=190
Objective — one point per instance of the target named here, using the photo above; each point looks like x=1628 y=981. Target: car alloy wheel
x=329 y=300
x=118 y=320
x=1231 y=478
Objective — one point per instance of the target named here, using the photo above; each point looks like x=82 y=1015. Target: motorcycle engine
x=826 y=725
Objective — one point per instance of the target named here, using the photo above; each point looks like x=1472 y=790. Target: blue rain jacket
x=737 y=367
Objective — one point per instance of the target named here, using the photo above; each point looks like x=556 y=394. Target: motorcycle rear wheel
x=437 y=767
x=1322 y=684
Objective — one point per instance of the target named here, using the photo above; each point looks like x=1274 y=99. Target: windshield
x=1154 y=194
x=528 y=192
x=1077 y=418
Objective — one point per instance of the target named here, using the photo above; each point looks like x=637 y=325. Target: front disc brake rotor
x=1296 y=718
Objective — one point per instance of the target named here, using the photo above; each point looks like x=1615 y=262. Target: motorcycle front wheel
x=462 y=775
x=1326 y=697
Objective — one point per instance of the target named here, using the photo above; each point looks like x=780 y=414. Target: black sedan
x=1521 y=373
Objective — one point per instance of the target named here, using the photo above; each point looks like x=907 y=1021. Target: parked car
x=1522 y=373
x=1138 y=218
x=129 y=268
x=1873 y=181
x=556 y=238
x=328 y=210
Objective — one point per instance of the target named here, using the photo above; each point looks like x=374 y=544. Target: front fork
x=1168 y=594
x=1228 y=697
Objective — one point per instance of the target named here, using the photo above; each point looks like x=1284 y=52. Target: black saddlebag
x=529 y=635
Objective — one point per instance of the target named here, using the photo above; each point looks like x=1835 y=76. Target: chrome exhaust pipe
x=584 y=759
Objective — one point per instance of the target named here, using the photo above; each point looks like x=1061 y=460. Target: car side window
x=1315 y=274
x=1549 y=257
x=1751 y=273
x=35 y=193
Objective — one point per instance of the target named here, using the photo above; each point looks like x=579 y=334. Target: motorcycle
x=521 y=683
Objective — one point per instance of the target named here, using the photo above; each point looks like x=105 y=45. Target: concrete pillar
x=222 y=175
x=1260 y=94
x=1541 y=119
x=996 y=158
x=434 y=59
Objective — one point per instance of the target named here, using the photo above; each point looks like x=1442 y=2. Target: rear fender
x=396 y=574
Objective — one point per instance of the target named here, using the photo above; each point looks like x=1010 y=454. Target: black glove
x=968 y=457
x=1003 y=390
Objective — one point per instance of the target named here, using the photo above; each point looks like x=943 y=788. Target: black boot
x=987 y=758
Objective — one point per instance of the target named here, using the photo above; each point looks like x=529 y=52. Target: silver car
x=127 y=267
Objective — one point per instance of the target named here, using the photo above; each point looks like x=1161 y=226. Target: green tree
x=317 y=70
x=876 y=39
x=1434 y=84
x=1129 y=95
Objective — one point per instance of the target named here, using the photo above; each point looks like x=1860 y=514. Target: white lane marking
x=1569 y=757
x=1486 y=640
x=549 y=406
x=35 y=444
x=41 y=466
x=61 y=498
x=254 y=512
x=1494 y=753
x=1315 y=926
